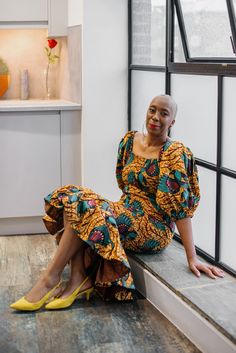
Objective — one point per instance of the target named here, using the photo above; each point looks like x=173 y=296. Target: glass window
x=204 y=219
x=208 y=28
x=178 y=46
x=148 y=32
x=234 y=4
x=145 y=86
x=228 y=211
x=229 y=124
x=196 y=121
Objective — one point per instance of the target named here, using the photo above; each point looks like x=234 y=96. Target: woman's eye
x=152 y=110
x=163 y=113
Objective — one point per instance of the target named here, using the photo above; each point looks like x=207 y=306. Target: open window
x=205 y=31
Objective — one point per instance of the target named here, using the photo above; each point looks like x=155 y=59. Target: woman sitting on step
x=159 y=182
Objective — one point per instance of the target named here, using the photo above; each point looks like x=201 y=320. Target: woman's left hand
x=212 y=271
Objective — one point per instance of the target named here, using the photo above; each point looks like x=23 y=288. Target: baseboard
x=25 y=225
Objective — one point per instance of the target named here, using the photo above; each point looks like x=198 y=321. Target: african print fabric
x=155 y=193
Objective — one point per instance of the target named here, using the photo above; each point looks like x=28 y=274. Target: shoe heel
x=89 y=292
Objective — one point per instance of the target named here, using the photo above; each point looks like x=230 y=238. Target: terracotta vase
x=4 y=83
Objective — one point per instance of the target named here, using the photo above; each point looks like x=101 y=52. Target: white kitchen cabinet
x=30 y=161
x=40 y=150
x=24 y=10
x=57 y=18
x=71 y=147
x=51 y=14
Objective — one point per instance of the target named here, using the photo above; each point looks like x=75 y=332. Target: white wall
x=104 y=90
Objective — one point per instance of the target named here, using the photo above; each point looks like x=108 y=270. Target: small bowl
x=4 y=83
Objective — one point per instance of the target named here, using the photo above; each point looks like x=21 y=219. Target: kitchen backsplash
x=25 y=49
x=70 y=73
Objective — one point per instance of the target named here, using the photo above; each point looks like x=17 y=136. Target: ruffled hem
x=92 y=220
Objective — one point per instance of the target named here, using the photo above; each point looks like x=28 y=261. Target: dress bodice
x=166 y=188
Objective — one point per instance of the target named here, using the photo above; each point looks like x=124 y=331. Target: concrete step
x=202 y=308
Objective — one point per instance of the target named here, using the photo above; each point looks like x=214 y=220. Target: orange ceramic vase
x=4 y=83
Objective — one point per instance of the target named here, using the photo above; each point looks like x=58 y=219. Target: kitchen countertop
x=17 y=105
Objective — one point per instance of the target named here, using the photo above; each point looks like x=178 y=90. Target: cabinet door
x=23 y=10
x=57 y=18
x=71 y=147
x=29 y=160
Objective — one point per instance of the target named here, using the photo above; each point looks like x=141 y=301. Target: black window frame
x=187 y=53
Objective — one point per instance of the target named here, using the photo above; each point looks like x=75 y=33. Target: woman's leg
x=77 y=274
x=67 y=248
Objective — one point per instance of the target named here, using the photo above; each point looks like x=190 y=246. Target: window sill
x=213 y=300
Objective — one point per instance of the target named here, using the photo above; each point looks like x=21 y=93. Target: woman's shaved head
x=170 y=102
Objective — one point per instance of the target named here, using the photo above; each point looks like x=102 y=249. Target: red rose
x=52 y=43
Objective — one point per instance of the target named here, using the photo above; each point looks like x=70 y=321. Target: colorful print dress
x=156 y=193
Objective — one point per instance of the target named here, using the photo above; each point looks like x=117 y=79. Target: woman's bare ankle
x=50 y=280
x=44 y=284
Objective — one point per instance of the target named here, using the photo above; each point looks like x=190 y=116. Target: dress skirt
x=92 y=218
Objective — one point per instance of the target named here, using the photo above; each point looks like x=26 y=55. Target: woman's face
x=160 y=116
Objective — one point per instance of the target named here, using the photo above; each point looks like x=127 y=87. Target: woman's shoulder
x=128 y=137
x=129 y=134
x=179 y=148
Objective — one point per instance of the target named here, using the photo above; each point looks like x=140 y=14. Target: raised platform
x=203 y=308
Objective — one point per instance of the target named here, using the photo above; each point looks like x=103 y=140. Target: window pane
x=148 y=32
x=229 y=123
x=178 y=45
x=228 y=211
x=234 y=4
x=204 y=219
x=207 y=27
x=196 y=121
x=145 y=86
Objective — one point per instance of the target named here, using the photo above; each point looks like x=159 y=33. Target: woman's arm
x=184 y=227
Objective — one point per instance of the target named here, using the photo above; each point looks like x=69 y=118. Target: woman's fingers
x=204 y=268
x=217 y=271
x=211 y=271
x=194 y=269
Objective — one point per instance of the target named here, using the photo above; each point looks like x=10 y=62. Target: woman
x=159 y=181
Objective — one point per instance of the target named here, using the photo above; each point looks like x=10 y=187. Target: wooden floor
x=94 y=326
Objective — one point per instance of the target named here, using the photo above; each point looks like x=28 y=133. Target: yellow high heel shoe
x=24 y=305
x=61 y=303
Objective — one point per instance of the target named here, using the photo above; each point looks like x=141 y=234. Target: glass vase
x=50 y=81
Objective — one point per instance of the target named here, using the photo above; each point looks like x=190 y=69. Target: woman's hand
x=212 y=271
x=185 y=230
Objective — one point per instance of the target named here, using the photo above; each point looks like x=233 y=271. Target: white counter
x=17 y=105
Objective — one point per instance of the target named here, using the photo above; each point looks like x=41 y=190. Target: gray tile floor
x=215 y=299
x=94 y=326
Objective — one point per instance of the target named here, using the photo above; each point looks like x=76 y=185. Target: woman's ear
x=172 y=123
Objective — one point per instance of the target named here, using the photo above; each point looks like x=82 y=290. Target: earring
x=143 y=130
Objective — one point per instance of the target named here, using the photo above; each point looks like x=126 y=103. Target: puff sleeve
x=124 y=150
x=178 y=191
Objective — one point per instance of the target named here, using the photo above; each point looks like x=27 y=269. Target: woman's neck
x=154 y=141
